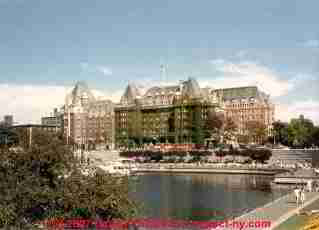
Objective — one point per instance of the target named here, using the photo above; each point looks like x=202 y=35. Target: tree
x=197 y=125
x=280 y=132
x=229 y=129
x=33 y=186
x=171 y=122
x=256 y=131
x=315 y=136
x=213 y=125
x=300 y=131
x=260 y=155
x=7 y=138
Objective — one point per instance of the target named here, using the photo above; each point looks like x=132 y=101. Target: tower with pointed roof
x=163 y=114
x=88 y=121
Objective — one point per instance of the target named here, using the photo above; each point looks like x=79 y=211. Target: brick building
x=87 y=121
x=244 y=104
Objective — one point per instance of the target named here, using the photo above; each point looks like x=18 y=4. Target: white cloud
x=247 y=73
x=28 y=103
x=311 y=43
x=105 y=70
x=309 y=108
x=113 y=96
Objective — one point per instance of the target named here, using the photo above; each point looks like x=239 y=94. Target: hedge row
x=154 y=154
x=260 y=155
x=255 y=154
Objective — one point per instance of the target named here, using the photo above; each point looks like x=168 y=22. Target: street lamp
x=180 y=115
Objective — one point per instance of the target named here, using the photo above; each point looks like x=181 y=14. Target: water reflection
x=203 y=196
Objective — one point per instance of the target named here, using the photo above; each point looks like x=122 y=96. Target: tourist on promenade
x=310 y=185
x=297 y=195
x=303 y=195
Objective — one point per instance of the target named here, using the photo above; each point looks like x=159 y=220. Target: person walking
x=309 y=185
x=303 y=196
x=297 y=195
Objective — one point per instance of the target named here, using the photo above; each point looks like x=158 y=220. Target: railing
x=205 y=166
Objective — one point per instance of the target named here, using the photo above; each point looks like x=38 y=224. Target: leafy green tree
x=300 y=131
x=197 y=125
x=281 y=132
x=260 y=155
x=213 y=125
x=44 y=181
x=315 y=136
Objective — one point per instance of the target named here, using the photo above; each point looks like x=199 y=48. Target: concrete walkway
x=198 y=169
x=276 y=212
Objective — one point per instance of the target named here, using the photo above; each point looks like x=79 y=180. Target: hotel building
x=244 y=104
x=160 y=114
x=87 y=121
x=163 y=114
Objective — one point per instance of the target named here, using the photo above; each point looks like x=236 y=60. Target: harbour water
x=202 y=196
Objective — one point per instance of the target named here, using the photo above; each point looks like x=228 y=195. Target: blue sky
x=46 y=46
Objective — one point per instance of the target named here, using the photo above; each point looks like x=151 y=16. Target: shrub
x=33 y=187
x=200 y=153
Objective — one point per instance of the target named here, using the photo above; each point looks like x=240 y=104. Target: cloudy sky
x=46 y=46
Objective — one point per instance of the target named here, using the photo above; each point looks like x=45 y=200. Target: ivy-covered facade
x=169 y=114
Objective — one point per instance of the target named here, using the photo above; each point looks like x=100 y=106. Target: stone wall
x=291 y=156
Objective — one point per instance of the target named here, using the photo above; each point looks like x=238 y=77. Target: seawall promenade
x=213 y=168
x=277 y=211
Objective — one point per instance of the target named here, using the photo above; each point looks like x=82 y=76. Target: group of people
x=300 y=194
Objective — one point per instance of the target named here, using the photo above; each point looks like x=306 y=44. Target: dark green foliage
x=33 y=187
x=171 y=122
x=8 y=138
x=259 y=155
x=298 y=133
x=280 y=132
x=200 y=153
x=197 y=126
x=174 y=156
x=213 y=125
x=315 y=136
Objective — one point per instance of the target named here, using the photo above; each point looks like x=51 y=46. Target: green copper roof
x=240 y=92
